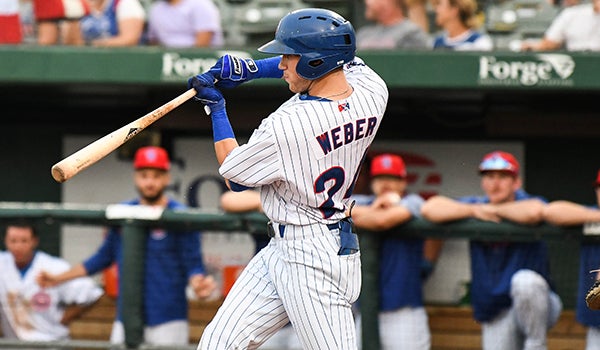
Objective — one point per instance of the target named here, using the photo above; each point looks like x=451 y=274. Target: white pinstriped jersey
x=32 y=313
x=306 y=155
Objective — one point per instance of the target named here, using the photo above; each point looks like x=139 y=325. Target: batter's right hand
x=206 y=92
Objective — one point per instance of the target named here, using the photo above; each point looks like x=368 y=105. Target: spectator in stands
x=417 y=13
x=249 y=201
x=392 y=29
x=30 y=312
x=114 y=23
x=173 y=260
x=566 y=213
x=511 y=292
x=57 y=21
x=576 y=28
x=458 y=20
x=10 y=22
x=402 y=317
x=185 y=23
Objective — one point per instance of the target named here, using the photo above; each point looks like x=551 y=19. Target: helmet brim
x=277 y=47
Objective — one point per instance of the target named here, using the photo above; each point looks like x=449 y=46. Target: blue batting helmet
x=323 y=39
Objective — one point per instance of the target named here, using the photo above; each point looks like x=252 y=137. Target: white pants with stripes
x=524 y=326
x=404 y=328
x=168 y=333
x=298 y=278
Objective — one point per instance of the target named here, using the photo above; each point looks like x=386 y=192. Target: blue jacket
x=494 y=263
x=400 y=259
x=171 y=258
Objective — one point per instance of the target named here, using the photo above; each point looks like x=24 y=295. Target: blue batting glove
x=231 y=71
x=206 y=92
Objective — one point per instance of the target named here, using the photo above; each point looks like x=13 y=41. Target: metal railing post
x=369 y=296
x=131 y=281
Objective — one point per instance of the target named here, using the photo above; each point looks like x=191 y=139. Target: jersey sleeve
x=413 y=203
x=191 y=256
x=556 y=31
x=105 y=255
x=359 y=74
x=255 y=163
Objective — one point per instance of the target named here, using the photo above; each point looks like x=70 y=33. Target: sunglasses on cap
x=498 y=164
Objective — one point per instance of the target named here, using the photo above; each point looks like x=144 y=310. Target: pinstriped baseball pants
x=297 y=278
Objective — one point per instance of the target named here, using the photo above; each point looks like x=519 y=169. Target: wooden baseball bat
x=90 y=154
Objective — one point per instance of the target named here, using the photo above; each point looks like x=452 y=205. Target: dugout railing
x=134 y=221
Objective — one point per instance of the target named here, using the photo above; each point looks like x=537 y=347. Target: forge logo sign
x=178 y=67
x=550 y=70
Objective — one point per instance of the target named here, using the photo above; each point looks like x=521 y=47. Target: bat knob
x=58 y=174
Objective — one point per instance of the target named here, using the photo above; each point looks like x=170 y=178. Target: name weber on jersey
x=345 y=134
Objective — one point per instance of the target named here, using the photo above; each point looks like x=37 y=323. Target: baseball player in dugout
x=30 y=312
x=511 y=291
x=304 y=159
x=402 y=317
x=566 y=213
x=173 y=260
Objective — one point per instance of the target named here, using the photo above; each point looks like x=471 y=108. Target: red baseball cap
x=499 y=161
x=597 y=183
x=388 y=164
x=151 y=157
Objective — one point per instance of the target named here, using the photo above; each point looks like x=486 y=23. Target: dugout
x=546 y=102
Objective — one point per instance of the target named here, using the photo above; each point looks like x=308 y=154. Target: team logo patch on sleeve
x=344 y=106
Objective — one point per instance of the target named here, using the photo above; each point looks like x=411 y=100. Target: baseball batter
x=28 y=311
x=304 y=159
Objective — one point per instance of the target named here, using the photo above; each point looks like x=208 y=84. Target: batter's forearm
x=224 y=147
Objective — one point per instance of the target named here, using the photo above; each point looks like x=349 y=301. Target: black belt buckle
x=270 y=229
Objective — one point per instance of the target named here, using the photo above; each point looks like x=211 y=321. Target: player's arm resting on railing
x=379 y=219
x=440 y=209
x=525 y=212
x=565 y=213
x=46 y=279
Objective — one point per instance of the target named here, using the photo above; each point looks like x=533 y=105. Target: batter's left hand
x=231 y=71
x=202 y=285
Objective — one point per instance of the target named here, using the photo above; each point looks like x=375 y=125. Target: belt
x=271 y=228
